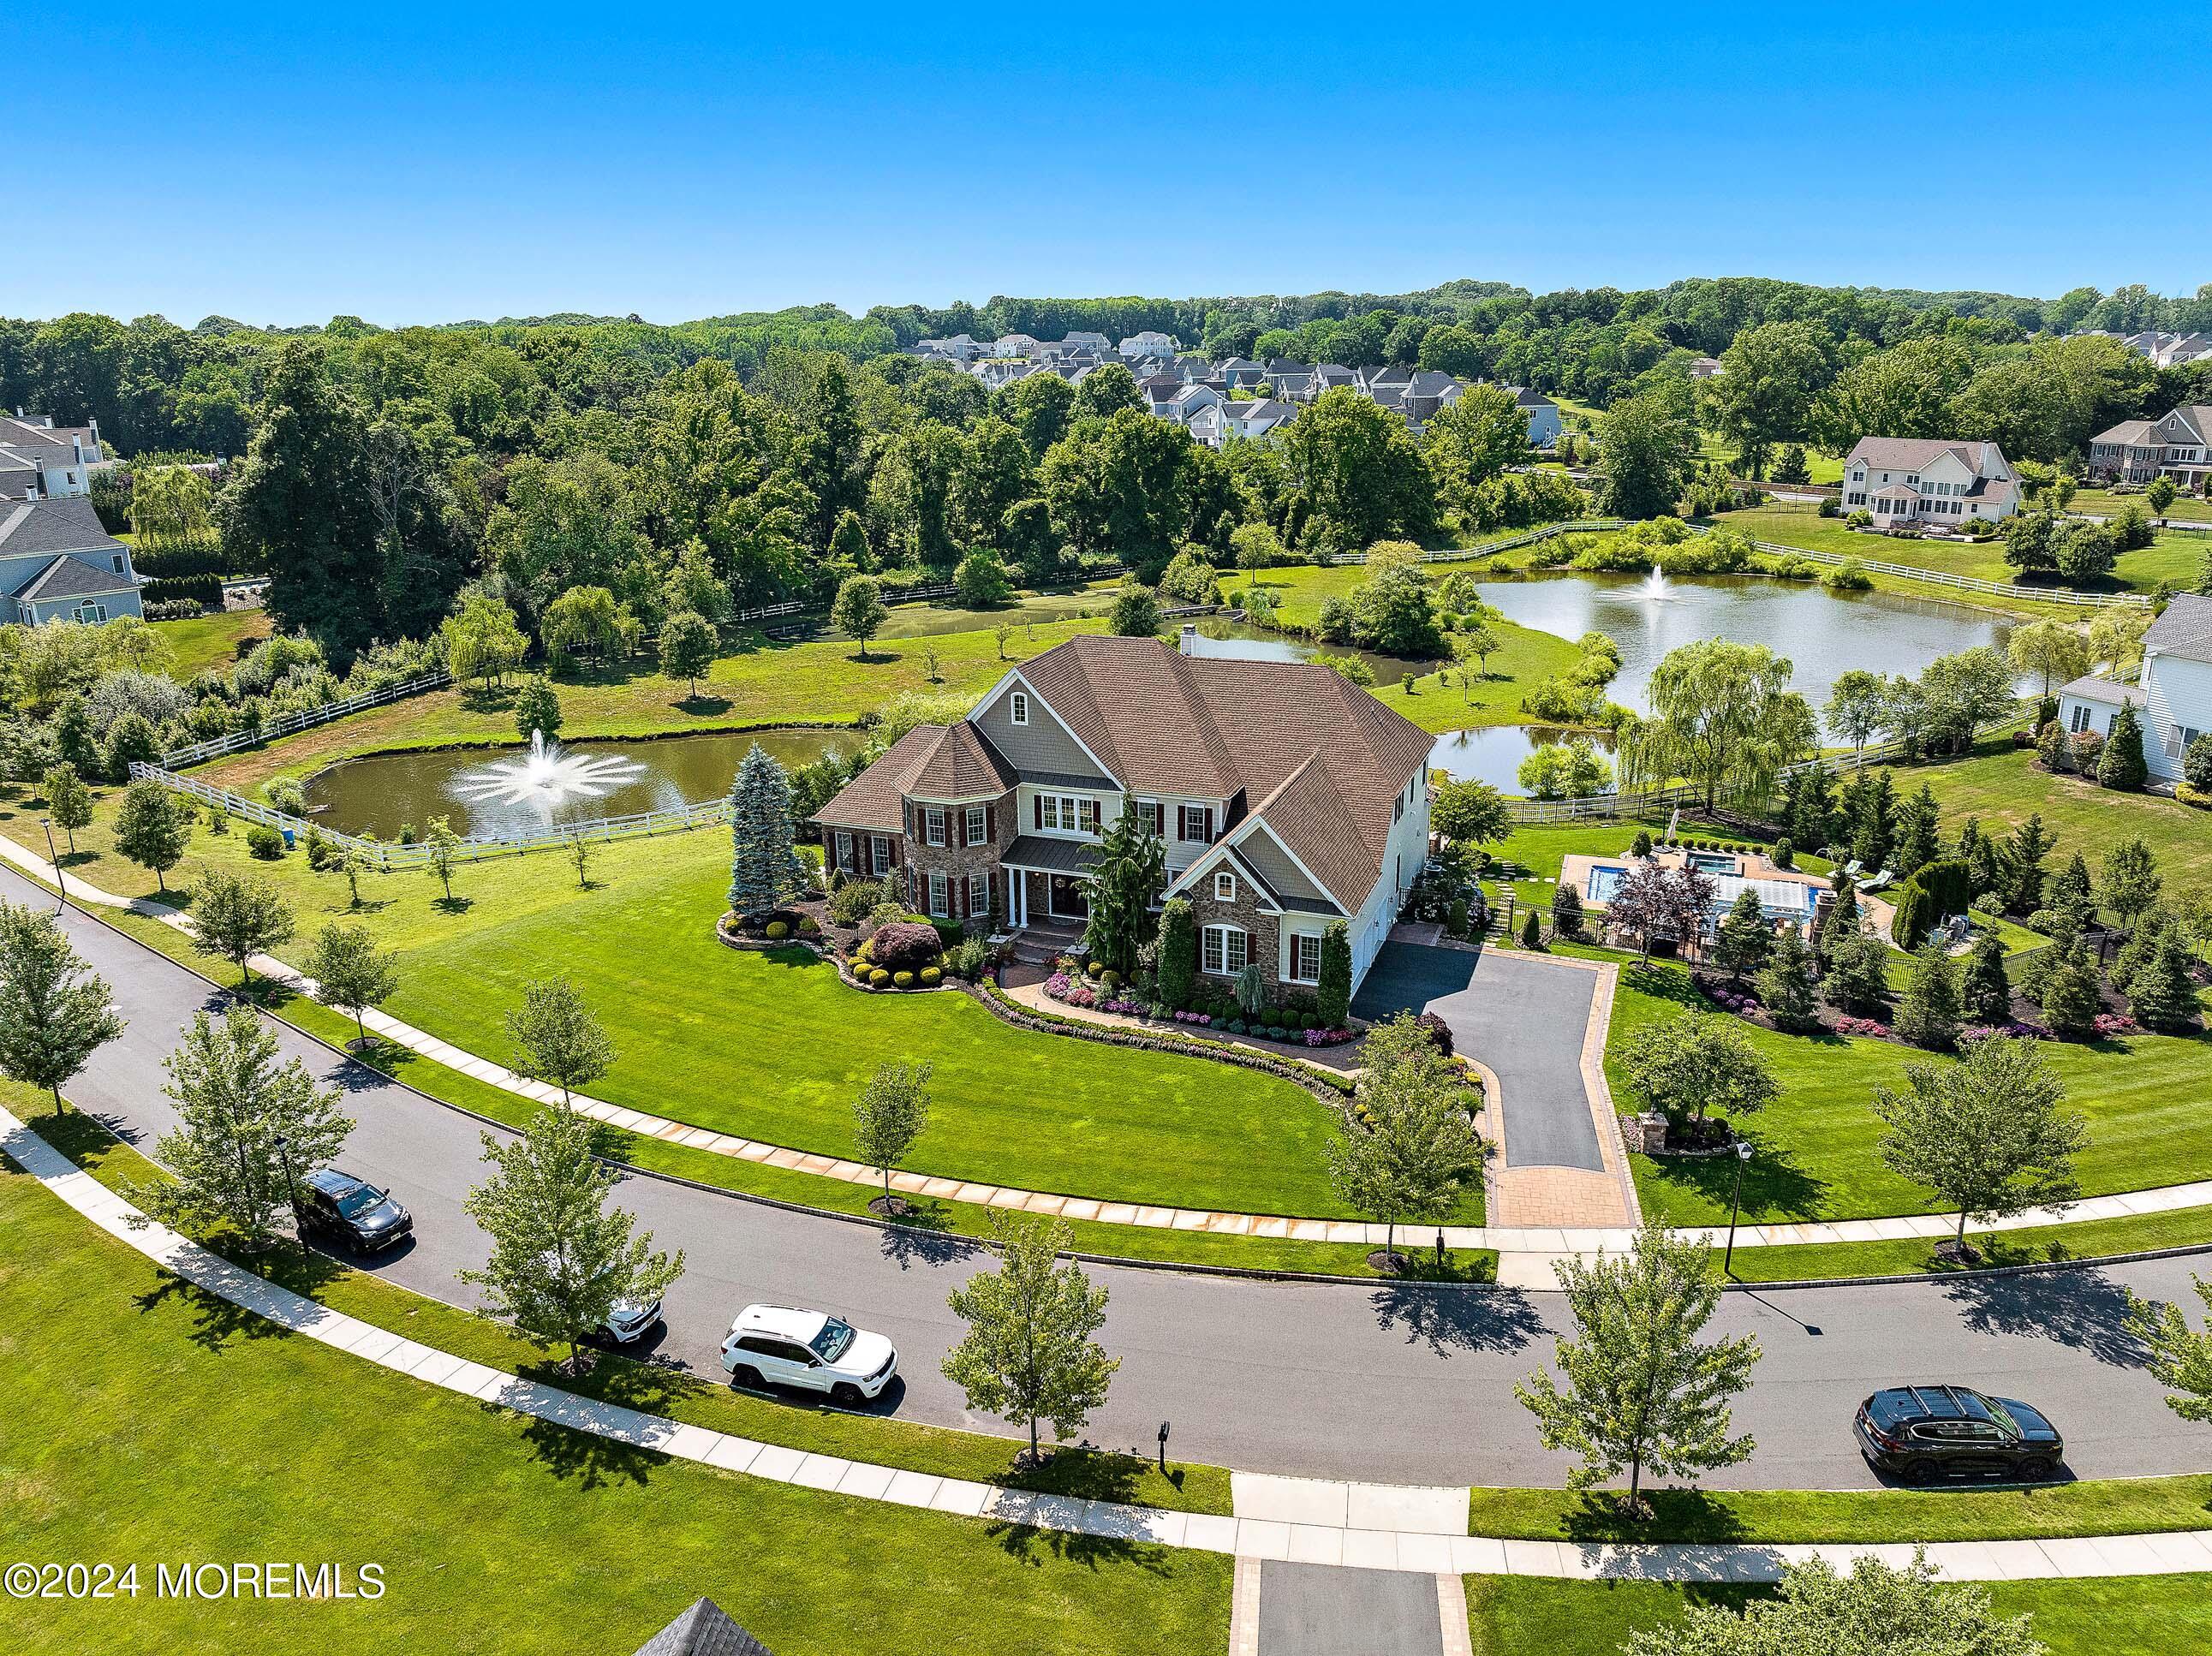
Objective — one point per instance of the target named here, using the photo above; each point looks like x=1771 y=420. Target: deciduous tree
x=1027 y=1354
x=1986 y=1133
x=352 y=973
x=889 y=1114
x=558 y=1038
x=235 y=918
x=54 y=1013
x=153 y=828
x=1405 y=1148
x=1696 y=1061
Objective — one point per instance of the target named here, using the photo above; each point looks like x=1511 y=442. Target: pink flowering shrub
x=2018 y=1030
x=1202 y=1019
x=1326 y=1037
x=1851 y=1026
x=1057 y=985
x=2114 y=1023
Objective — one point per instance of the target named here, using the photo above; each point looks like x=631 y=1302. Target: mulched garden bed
x=2027 y=1019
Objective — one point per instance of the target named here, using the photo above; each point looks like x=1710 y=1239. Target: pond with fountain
x=1824 y=633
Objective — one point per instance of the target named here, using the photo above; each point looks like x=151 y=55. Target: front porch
x=1047 y=881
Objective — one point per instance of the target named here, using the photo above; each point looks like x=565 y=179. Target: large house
x=2179 y=446
x=39 y=459
x=57 y=563
x=1922 y=482
x=1288 y=799
x=2172 y=695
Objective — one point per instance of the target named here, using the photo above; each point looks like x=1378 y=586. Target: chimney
x=1189 y=643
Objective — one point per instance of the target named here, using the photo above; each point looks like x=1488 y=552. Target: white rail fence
x=390 y=855
x=1956 y=583
x=292 y=724
x=1461 y=554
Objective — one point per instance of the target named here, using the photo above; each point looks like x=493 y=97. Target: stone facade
x=957 y=859
x=1263 y=942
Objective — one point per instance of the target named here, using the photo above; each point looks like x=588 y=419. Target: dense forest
x=628 y=471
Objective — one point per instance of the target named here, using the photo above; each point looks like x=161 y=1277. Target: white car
x=809 y=1351
x=628 y=1320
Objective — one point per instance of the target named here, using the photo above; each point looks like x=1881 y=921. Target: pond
x=493 y=790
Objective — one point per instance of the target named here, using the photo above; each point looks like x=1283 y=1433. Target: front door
x=1071 y=898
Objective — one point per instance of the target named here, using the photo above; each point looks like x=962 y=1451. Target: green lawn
x=2004 y=786
x=2103 y=503
x=1524 y=1616
x=213 y=641
x=1817 y=1142
x=775 y=1046
x=2175 y=554
x=148 y=1422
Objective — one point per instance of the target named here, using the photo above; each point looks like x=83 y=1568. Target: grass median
x=151 y=1421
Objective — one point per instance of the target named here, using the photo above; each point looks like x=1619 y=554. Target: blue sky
x=284 y=166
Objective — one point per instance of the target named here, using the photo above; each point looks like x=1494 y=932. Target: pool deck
x=1576 y=867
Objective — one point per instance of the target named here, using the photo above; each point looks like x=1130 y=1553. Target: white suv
x=781 y=1346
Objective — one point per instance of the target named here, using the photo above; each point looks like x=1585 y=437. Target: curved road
x=1408 y=1384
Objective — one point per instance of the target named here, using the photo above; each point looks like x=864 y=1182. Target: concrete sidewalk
x=1312 y=1528
x=1527 y=1252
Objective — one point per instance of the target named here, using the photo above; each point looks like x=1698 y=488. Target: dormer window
x=1225 y=887
x=1017 y=708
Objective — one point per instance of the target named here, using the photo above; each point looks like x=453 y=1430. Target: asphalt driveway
x=1521 y=1015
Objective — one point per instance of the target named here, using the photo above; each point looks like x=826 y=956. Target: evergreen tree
x=560 y=1255
x=1986 y=996
x=1838 y=922
x=1929 y=1016
x=765 y=867
x=2070 y=1001
x=558 y=1038
x=1745 y=940
x=235 y=919
x=54 y=1015
x=1873 y=819
x=152 y=829
x=2162 y=995
x=2129 y=883
x=1130 y=871
x=1640 y=1389
x=1858 y=974
x=2069 y=897
x=537 y=708
x=2121 y=765
x=2139 y=951
x=1919 y=835
x=1027 y=1354
x=1178 y=954
x=1812 y=809
x=234 y=1101
x=1567 y=911
x=1985 y=1133
x=1333 y=997
x=1785 y=983
x=2031 y=843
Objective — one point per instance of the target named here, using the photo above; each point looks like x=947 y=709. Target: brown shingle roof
x=1323 y=760
x=875 y=799
x=961 y=765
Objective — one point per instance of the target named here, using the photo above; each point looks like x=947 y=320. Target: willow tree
x=1722 y=718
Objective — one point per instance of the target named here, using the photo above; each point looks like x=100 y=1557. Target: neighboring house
x=1705 y=368
x=1287 y=799
x=1262 y=416
x=57 y=563
x=704 y=1629
x=1241 y=373
x=1149 y=343
x=2166 y=349
x=1015 y=344
x=2178 y=446
x=2172 y=694
x=1544 y=427
x=960 y=347
x=1916 y=482
x=1158 y=390
x=1185 y=400
x=39 y=459
x=1087 y=342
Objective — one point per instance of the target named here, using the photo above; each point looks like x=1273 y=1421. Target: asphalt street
x=1399 y=1383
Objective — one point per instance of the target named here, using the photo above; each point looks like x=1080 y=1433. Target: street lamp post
x=54 y=857
x=1736 y=1204
x=292 y=1190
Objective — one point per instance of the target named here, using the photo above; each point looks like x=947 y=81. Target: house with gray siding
x=57 y=563
x=1286 y=799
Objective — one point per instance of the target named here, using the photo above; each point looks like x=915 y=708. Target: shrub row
x=1314 y=1079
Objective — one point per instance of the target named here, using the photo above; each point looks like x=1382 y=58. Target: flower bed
x=1155 y=1039
x=1065 y=987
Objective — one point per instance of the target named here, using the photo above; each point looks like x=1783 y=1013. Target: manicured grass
x=821 y=681
x=1524 y=656
x=931 y=1217
x=2174 y=555
x=2107 y=1507
x=1817 y=1157
x=206 y=641
x=2002 y=787
x=655 y=1388
x=2103 y=503
x=1524 y=1616
x=774 y=1046
x=2087 y=1239
x=150 y=1421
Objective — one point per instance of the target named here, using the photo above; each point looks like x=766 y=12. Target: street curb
x=1189 y=1268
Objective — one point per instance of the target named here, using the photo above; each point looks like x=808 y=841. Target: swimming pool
x=1715 y=861
x=1779 y=900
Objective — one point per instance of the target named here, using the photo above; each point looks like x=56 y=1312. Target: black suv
x=1922 y=1433
x=351 y=1211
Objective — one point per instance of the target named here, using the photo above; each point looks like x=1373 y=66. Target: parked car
x=629 y=1320
x=809 y=1351
x=352 y=1211
x=1922 y=1433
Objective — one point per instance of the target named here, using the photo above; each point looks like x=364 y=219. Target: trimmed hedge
x=205 y=589
x=1934 y=893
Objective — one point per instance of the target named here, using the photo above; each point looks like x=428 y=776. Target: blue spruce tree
x=764 y=867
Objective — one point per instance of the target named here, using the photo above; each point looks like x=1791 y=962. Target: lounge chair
x=1851 y=868
x=1879 y=880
